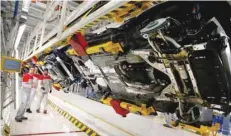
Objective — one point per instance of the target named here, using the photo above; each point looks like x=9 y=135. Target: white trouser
x=42 y=96
x=31 y=98
x=25 y=94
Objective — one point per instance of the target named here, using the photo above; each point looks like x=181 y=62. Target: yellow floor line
x=96 y=117
x=73 y=120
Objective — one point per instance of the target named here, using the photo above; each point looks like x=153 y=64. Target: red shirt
x=27 y=77
x=38 y=76
x=27 y=80
x=44 y=77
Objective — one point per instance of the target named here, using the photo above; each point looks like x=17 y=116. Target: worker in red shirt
x=27 y=83
x=46 y=87
x=36 y=78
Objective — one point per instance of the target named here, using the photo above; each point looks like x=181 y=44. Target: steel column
x=3 y=89
x=3 y=35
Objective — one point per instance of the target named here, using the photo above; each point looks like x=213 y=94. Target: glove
x=42 y=88
x=50 y=91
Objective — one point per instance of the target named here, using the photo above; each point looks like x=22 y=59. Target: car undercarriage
x=174 y=56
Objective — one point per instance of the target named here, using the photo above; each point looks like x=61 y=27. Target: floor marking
x=94 y=116
x=47 y=133
x=73 y=120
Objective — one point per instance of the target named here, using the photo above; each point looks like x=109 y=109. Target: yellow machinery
x=6 y=130
x=143 y=110
x=107 y=47
x=57 y=86
x=71 y=52
x=122 y=13
x=203 y=130
x=41 y=63
x=48 y=50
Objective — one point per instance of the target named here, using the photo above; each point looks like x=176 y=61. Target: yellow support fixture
x=106 y=100
x=48 y=50
x=107 y=47
x=203 y=130
x=57 y=85
x=5 y=130
x=63 y=42
x=71 y=52
x=41 y=63
x=143 y=110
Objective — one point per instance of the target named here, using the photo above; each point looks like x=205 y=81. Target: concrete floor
x=51 y=124
x=105 y=121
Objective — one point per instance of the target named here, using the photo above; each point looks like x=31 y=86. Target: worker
x=27 y=83
x=46 y=87
x=36 y=78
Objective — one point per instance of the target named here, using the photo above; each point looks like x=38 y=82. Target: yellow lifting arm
x=143 y=110
x=107 y=47
x=203 y=130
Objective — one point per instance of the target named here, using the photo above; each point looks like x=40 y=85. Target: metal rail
x=97 y=14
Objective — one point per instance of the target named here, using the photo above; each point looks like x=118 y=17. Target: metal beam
x=112 y=5
x=3 y=35
x=8 y=104
x=34 y=17
x=63 y=17
x=13 y=36
x=73 y=4
x=39 y=5
x=48 y=14
x=65 y=68
x=83 y=7
x=2 y=93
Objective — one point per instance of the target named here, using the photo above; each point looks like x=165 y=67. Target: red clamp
x=79 y=44
x=119 y=110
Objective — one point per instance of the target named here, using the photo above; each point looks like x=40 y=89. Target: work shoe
x=18 y=120
x=24 y=118
x=28 y=110
x=38 y=111
x=45 y=111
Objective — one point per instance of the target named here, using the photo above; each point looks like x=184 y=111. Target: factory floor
x=51 y=124
x=99 y=117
